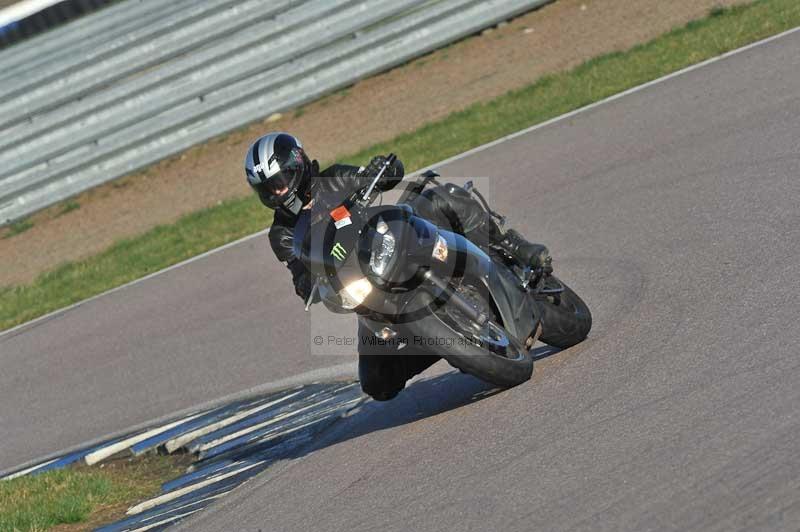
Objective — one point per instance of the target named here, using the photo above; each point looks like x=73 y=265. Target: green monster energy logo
x=339 y=252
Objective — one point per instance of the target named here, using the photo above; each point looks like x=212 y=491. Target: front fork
x=453 y=297
x=482 y=319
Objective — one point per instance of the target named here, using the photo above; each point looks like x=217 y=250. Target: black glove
x=393 y=174
x=303 y=280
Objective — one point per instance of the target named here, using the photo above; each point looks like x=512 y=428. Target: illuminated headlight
x=355 y=293
x=382 y=249
x=440 y=249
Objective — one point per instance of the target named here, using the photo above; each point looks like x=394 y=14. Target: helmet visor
x=280 y=183
x=283 y=186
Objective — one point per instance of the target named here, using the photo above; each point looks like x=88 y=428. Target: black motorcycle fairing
x=465 y=263
x=336 y=246
x=519 y=313
x=326 y=249
x=339 y=253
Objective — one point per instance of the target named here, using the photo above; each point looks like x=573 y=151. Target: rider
x=287 y=181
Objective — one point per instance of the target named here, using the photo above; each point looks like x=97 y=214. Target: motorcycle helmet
x=280 y=172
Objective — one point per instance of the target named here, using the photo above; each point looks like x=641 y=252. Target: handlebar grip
x=391 y=159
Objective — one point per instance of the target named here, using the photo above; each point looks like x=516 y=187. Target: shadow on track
x=229 y=464
x=423 y=397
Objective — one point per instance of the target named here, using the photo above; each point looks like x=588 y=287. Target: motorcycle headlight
x=355 y=293
x=382 y=249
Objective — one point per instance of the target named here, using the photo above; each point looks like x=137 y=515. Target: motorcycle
x=407 y=278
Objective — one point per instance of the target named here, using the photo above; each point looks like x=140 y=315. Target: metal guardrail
x=143 y=80
x=24 y=18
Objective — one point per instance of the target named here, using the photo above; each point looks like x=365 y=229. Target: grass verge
x=131 y=259
x=724 y=29
x=82 y=498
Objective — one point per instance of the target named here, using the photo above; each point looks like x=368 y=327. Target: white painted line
x=440 y=163
x=192 y=469
x=135 y=281
x=110 y=450
x=257 y=426
x=610 y=99
x=235 y=466
x=161 y=499
x=188 y=504
x=270 y=421
x=176 y=443
x=273 y=436
x=29 y=470
x=348 y=370
x=163 y=522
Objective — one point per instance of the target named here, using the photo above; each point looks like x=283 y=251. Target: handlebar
x=386 y=164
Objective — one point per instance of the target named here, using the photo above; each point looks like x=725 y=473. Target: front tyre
x=566 y=320
x=484 y=352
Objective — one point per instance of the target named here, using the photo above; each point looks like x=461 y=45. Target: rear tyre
x=566 y=320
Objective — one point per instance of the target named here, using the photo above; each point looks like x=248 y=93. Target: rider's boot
x=511 y=243
x=534 y=255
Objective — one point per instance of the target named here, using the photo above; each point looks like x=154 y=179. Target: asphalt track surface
x=674 y=211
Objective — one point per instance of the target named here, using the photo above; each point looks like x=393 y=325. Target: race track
x=674 y=211
x=215 y=327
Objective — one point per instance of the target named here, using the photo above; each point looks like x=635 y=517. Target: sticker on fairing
x=344 y=222
x=341 y=217
x=339 y=252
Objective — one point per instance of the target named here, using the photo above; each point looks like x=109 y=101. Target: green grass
x=38 y=503
x=723 y=30
x=550 y=96
x=81 y=496
x=68 y=206
x=132 y=258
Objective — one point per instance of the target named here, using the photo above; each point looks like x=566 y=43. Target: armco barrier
x=142 y=80
x=24 y=18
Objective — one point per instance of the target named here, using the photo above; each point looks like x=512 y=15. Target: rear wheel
x=566 y=320
x=487 y=351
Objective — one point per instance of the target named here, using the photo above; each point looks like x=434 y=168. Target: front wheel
x=566 y=320
x=485 y=352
